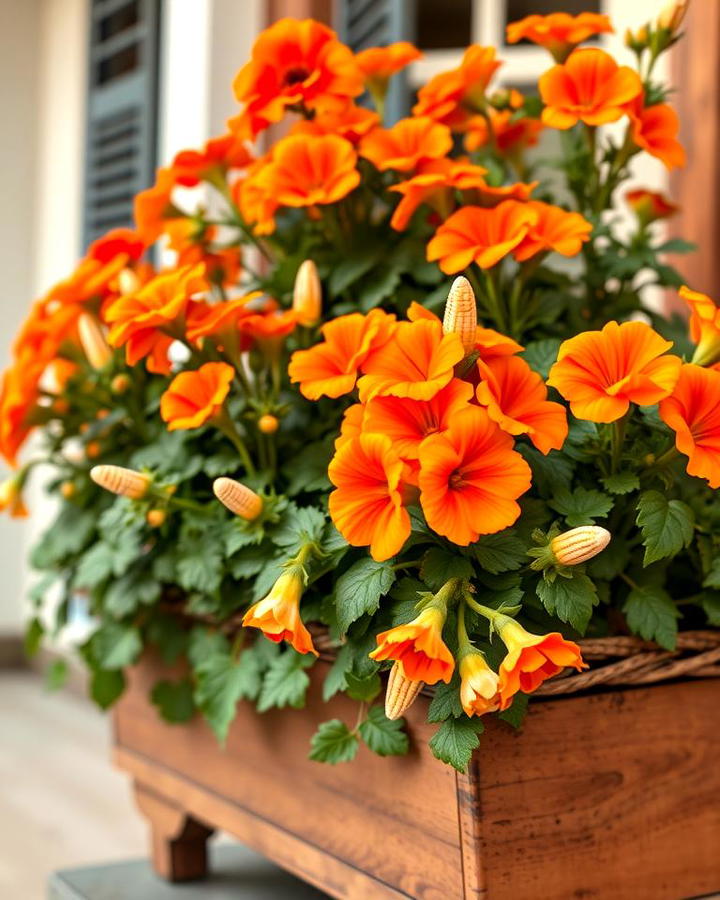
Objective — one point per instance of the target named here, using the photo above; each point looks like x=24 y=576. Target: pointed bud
x=128 y=282
x=461 y=313
x=579 y=544
x=238 y=498
x=93 y=342
x=307 y=294
x=401 y=692
x=118 y=480
x=672 y=15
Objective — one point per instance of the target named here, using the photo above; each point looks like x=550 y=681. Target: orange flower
x=516 y=398
x=294 y=64
x=590 y=87
x=488 y=342
x=478 y=685
x=367 y=504
x=350 y=121
x=278 y=614
x=555 y=229
x=351 y=425
x=655 y=130
x=222 y=319
x=417 y=363
x=408 y=422
x=217 y=156
x=192 y=398
x=116 y=242
x=330 y=369
x=470 y=478
x=379 y=64
x=511 y=133
x=93 y=279
x=704 y=326
x=407 y=144
x=602 y=372
x=558 y=32
x=477 y=234
x=19 y=396
x=649 y=206
x=11 y=499
x=195 y=243
x=435 y=186
x=531 y=659
x=152 y=206
x=693 y=413
x=454 y=97
x=255 y=199
x=307 y=169
x=418 y=647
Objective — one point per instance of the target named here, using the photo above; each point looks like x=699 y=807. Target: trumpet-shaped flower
x=278 y=614
x=418 y=647
x=407 y=144
x=558 y=32
x=554 y=230
x=704 y=326
x=478 y=685
x=193 y=398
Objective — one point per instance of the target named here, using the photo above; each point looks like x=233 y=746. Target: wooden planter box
x=611 y=795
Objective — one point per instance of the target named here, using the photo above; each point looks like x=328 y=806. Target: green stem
x=224 y=423
x=617 y=437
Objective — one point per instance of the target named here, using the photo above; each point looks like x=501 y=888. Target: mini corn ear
x=118 y=480
x=92 y=339
x=579 y=544
x=307 y=294
x=238 y=498
x=461 y=313
x=401 y=693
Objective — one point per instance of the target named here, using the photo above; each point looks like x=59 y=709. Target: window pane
x=443 y=24
x=518 y=9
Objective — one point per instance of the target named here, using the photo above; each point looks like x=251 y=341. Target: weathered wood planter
x=610 y=795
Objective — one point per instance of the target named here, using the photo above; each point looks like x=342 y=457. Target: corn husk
x=238 y=498
x=461 y=313
x=579 y=544
x=118 y=480
x=93 y=342
x=401 y=693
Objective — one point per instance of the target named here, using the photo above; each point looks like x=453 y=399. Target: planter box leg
x=178 y=842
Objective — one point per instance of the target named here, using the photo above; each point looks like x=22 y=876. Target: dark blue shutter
x=375 y=23
x=122 y=110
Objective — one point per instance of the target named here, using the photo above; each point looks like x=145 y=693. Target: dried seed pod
x=401 y=692
x=118 y=480
x=238 y=498
x=307 y=294
x=461 y=313
x=579 y=544
x=92 y=340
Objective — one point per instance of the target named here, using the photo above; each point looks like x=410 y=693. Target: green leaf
x=666 y=525
x=540 y=355
x=359 y=590
x=56 y=674
x=33 y=637
x=95 y=566
x=382 y=735
x=285 y=683
x=204 y=643
x=125 y=595
x=446 y=702
x=676 y=245
x=106 y=686
x=174 y=700
x=440 y=565
x=621 y=482
x=363 y=688
x=570 y=599
x=308 y=469
x=455 y=740
x=712 y=579
x=221 y=682
x=651 y=613
x=115 y=646
x=349 y=270
x=582 y=506
x=335 y=678
x=711 y=606
x=375 y=289
x=501 y=552
x=333 y=743
x=298 y=527
x=515 y=714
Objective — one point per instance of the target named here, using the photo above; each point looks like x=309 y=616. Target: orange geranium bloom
x=367 y=504
x=217 y=156
x=478 y=685
x=602 y=372
x=152 y=206
x=192 y=398
x=330 y=369
x=516 y=398
x=649 y=206
x=310 y=169
x=470 y=478
x=454 y=97
x=418 y=647
x=417 y=363
x=590 y=87
x=558 y=32
x=481 y=235
x=693 y=413
x=655 y=130
x=379 y=64
x=408 y=422
x=278 y=614
x=293 y=64
x=350 y=121
x=704 y=326
x=407 y=144
x=532 y=659
x=510 y=133
x=435 y=186
x=554 y=230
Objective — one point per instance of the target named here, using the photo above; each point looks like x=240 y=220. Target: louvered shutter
x=121 y=110
x=374 y=23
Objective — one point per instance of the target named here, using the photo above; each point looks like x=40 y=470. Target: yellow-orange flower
x=488 y=342
x=470 y=478
x=590 y=87
x=435 y=186
x=516 y=398
x=553 y=230
x=478 y=685
x=192 y=398
x=278 y=614
x=418 y=647
x=11 y=498
x=649 y=206
x=655 y=129
x=480 y=235
x=217 y=156
x=601 y=373
x=379 y=64
x=704 y=326
x=510 y=133
x=367 y=503
x=350 y=121
x=19 y=394
x=351 y=425
x=693 y=413
x=154 y=205
x=558 y=32
x=223 y=320
x=407 y=144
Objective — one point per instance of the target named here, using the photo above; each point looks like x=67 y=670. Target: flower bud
x=92 y=340
x=307 y=294
x=67 y=490
x=118 y=480
x=156 y=517
x=401 y=692
x=579 y=544
x=120 y=383
x=93 y=449
x=238 y=498
x=672 y=15
x=268 y=424
x=11 y=499
x=461 y=313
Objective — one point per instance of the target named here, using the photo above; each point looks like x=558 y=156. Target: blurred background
x=94 y=94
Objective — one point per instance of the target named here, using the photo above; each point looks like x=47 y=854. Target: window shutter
x=374 y=23
x=121 y=110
